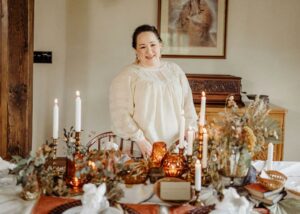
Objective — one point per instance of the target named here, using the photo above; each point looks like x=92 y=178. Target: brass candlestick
x=197 y=201
x=54 y=149
x=200 y=138
x=190 y=176
x=77 y=140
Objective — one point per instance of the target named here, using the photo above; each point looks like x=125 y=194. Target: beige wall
x=91 y=40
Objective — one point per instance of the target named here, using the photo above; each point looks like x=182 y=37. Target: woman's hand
x=145 y=147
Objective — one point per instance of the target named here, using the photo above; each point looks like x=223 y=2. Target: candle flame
x=77 y=93
x=55 y=100
x=203 y=94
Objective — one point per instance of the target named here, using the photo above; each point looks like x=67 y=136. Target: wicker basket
x=276 y=180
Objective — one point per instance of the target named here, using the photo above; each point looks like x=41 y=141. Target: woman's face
x=148 y=49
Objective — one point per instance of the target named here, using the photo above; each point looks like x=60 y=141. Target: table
x=135 y=195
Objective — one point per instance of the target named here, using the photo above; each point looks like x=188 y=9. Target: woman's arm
x=121 y=100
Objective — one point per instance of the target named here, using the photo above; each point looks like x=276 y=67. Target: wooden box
x=217 y=88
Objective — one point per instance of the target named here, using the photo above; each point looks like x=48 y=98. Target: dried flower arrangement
x=237 y=136
x=96 y=166
x=31 y=170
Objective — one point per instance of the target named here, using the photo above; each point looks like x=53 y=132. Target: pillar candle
x=190 y=136
x=198 y=175
x=55 y=119
x=77 y=112
x=202 y=109
x=181 y=129
x=204 y=148
x=269 y=164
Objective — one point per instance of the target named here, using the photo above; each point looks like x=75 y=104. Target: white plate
x=76 y=210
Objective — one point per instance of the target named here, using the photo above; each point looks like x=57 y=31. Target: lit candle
x=77 y=112
x=55 y=119
x=92 y=165
x=181 y=130
x=75 y=182
x=204 y=149
x=202 y=109
x=270 y=157
x=190 y=136
x=198 y=175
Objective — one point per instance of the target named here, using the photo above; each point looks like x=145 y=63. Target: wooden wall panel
x=16 y=92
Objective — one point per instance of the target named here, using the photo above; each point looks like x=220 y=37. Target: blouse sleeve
x=121 y=104
x=188 y=103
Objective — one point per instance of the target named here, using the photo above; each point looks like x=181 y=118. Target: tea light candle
x=198 y=175
x=204 y=148
x=181 y=130
x=202 y=109
x=78 y=112
x=269 y=164
x=55 y=119
x=190 y=136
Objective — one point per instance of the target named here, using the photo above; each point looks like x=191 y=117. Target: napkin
x=5 y=165
x=94 y=200
x=233 y=203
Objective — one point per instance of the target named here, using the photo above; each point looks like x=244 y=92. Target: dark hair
x=141 y=29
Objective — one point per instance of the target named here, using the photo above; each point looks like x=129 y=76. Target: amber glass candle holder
x=159 y=151
x=72 y=168
x=174 y=164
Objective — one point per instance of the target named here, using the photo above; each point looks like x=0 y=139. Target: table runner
x=46 y=203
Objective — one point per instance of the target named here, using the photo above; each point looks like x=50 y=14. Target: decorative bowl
x=275 y=181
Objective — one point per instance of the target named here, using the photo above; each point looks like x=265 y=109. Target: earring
x=137 y=61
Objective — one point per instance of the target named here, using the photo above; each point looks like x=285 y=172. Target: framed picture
x=193 y=28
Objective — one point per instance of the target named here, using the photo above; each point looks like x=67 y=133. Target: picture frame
x=193 y=28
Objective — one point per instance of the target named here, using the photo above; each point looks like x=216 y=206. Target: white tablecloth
x=10 y=202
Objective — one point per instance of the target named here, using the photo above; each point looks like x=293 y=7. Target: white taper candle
x=55 y=119
x=204 y=148
x=198 y=175
x=202 y=110
x=269 y=164
x=190 y=138
x=77 y=112
x=181 y=129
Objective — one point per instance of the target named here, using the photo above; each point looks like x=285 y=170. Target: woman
x=148 y=96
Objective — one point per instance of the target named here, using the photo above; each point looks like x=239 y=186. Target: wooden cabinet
x=276 y=113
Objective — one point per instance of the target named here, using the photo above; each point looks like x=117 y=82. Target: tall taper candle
x=269 y=164
x=77 y=112
x=204 y=148
x=198 y=175
x=55 y=119
x=190 y=138
x=202 y=109
x=181 y=130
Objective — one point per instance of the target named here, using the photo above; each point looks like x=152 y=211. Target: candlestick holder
x=205 y=179
x=54 y=149
x=190 y=175
x=200 y=138
x=197 y=201
x=77 y=140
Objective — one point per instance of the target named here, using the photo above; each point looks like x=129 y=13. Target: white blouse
x=146 y=103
